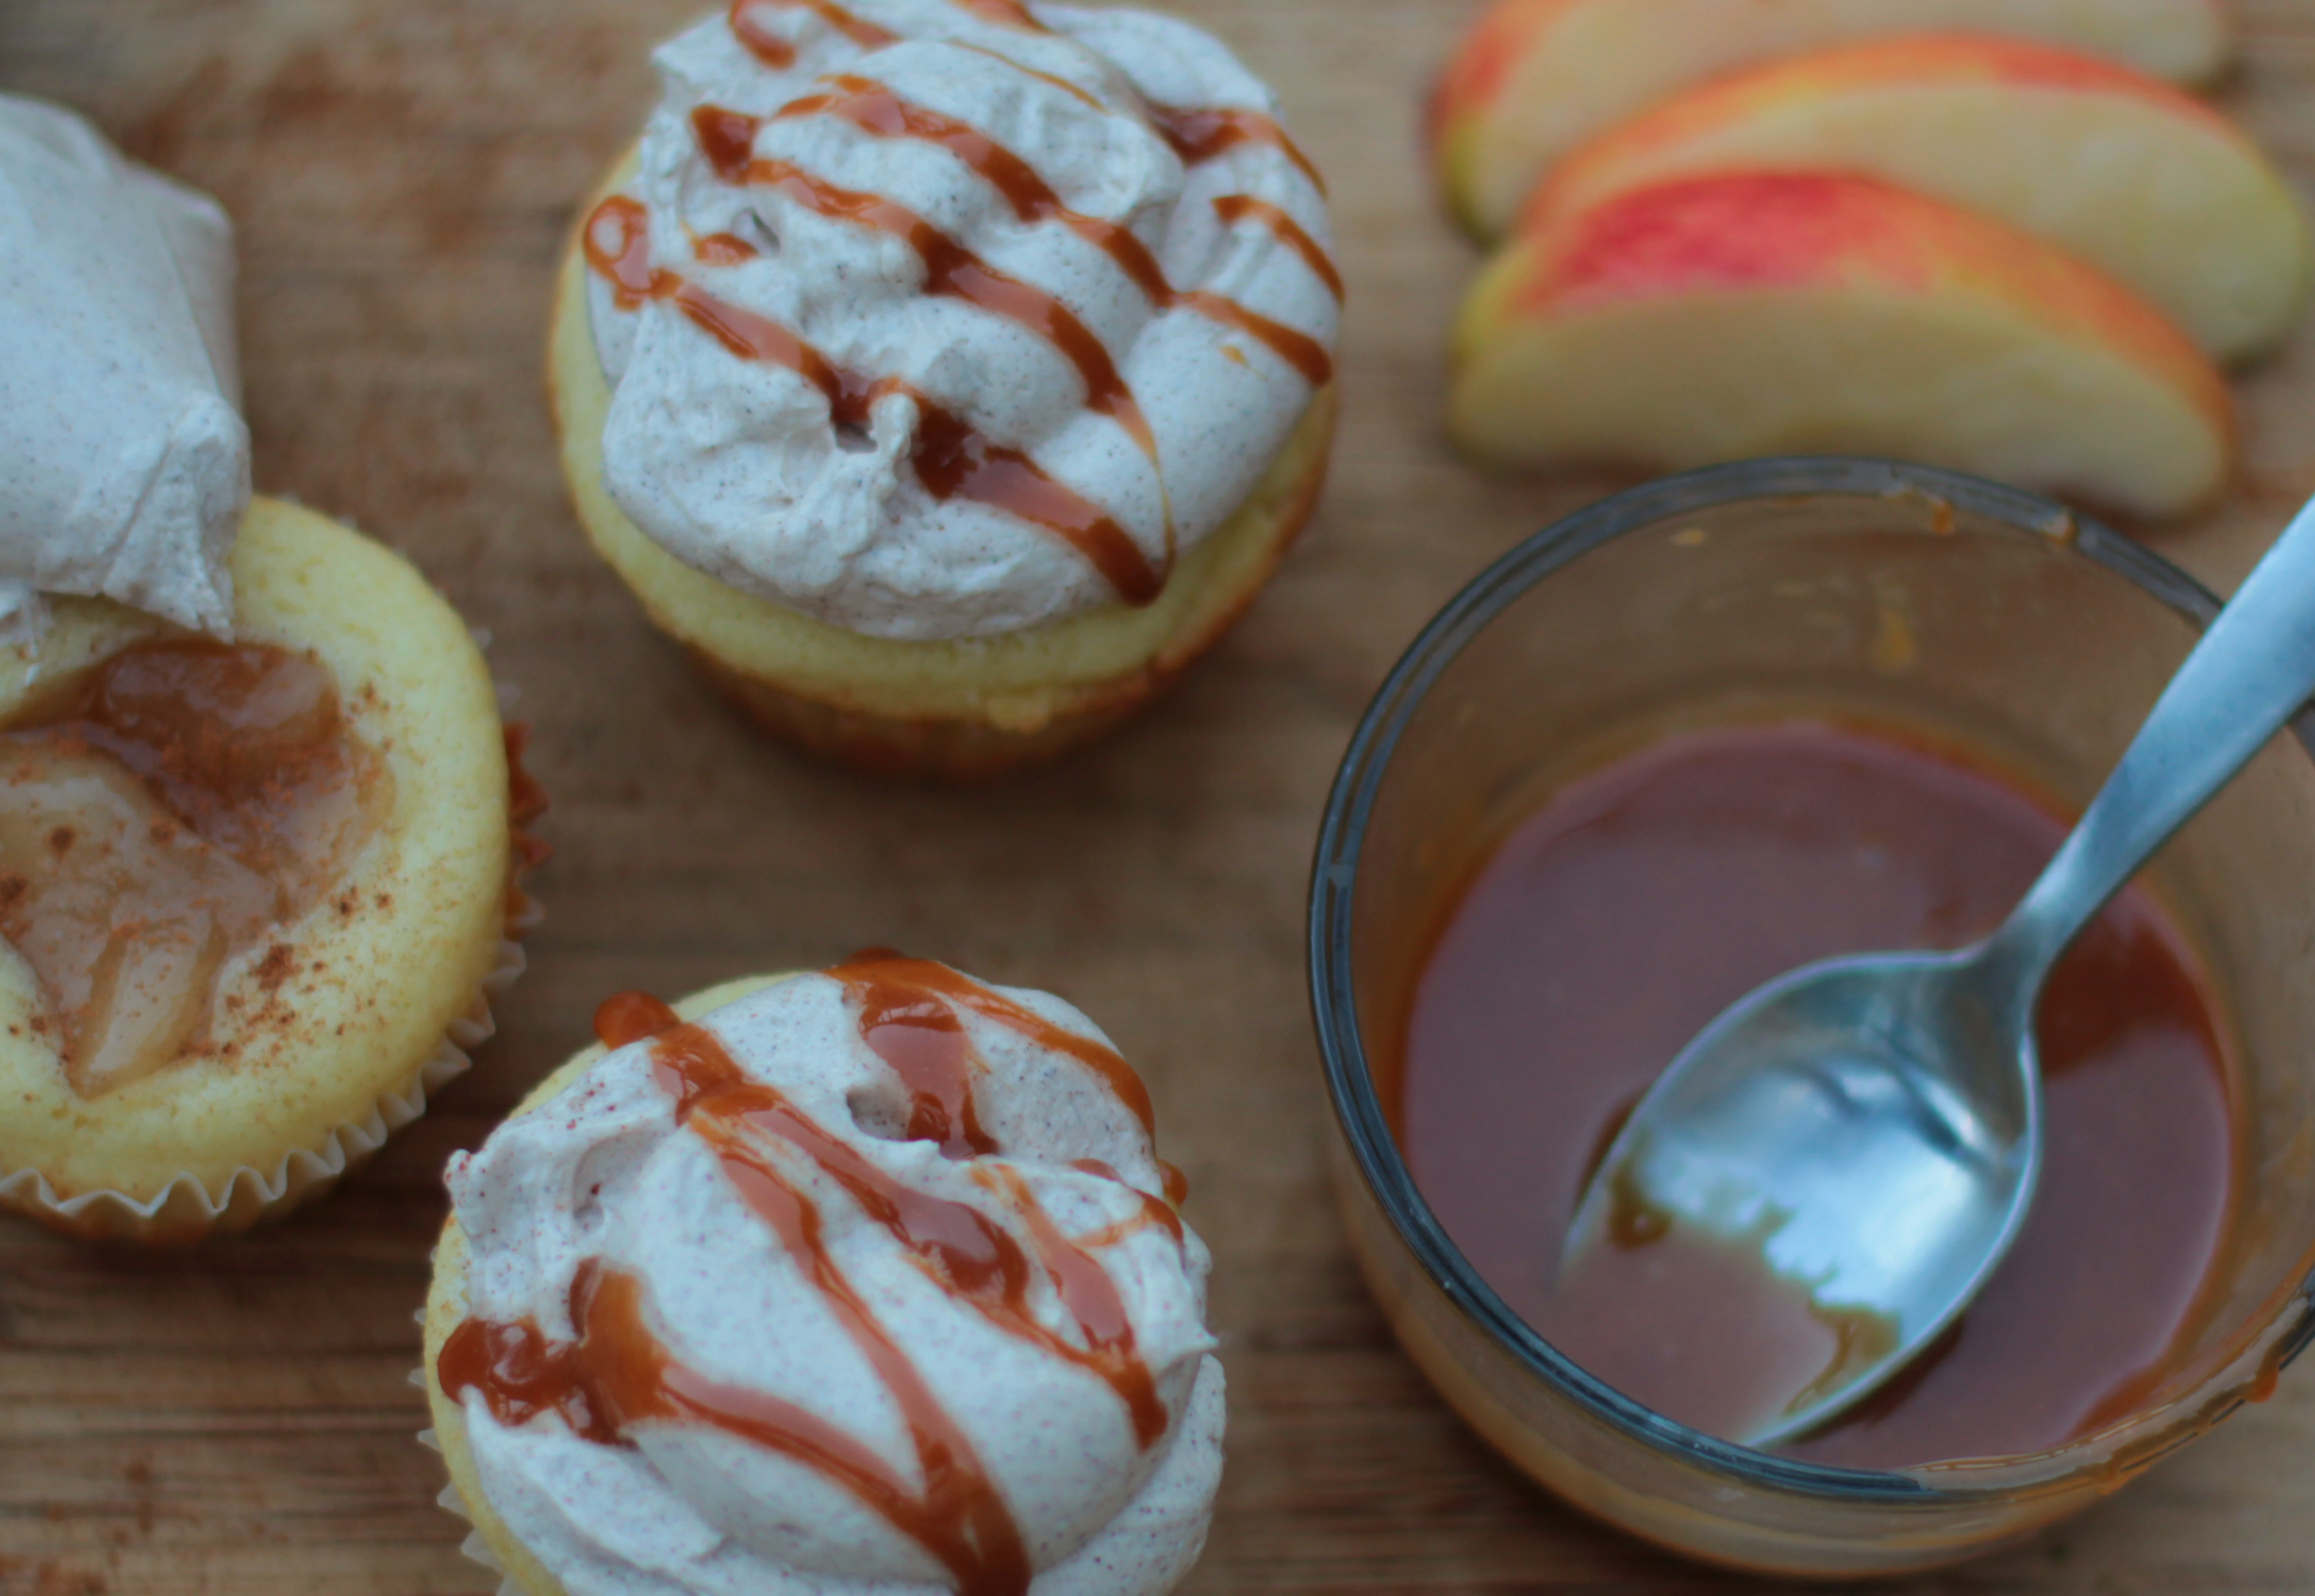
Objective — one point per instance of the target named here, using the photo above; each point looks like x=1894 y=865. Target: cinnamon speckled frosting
x=934 y=319
x=124 y=459
x=868 y=1281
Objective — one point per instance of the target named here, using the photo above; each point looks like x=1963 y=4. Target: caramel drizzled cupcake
x=945 y=377
x=868 y=1280
x=255 y=894
x=259 y=824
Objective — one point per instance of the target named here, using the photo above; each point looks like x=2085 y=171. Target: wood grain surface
x=236 y=1419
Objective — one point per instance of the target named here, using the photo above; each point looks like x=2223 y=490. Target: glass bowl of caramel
x=1702 y=733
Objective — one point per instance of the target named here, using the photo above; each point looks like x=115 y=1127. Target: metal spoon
x=1872 y=1125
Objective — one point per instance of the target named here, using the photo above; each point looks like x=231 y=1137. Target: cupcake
x=259 y=818
x=866 y=1280
x=945 y=375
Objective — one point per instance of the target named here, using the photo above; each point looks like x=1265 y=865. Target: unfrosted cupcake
x=947 y=375
x=863 y=1281
x=258 y=820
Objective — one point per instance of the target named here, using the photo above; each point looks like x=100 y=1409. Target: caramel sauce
x=1200 y=133
x=776 y=52
x=876 y=109
x=1051 y=79
x=951 y=271
x=1008 y=14
x=160 y=814
x=723 y=248
x=625 y=1018
x=892 y=978
x=1637 y=903
x=618 y=1373
x=952 y=458
x=1153 y=1210
x=1235 y=208
x=764 y=46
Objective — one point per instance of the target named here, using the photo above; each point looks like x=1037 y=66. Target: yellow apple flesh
x=1728 y=317
x=2147 y=184
x=1536 y=77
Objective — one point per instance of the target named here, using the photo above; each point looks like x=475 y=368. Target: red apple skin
x=1819 y=257
x=1534 y=78
x=2148 y=184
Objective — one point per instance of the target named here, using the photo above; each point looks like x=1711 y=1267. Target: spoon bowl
x=1869 y=1128
x=1870 y=1125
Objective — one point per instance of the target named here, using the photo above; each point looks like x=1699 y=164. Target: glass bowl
x=1842 y=587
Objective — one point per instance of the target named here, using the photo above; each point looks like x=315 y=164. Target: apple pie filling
x=161 y=815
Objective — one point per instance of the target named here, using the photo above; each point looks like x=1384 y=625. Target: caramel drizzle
x=878 y=111
x=618 y=1373
x=1153 y=1211
x=1235 y=208
x=727 y=140
x=1202 y=133
x=1058 y=82
x=776 y=52
x=1007 y=13
x=881 y=978
x=952 y=458
x=723 y=248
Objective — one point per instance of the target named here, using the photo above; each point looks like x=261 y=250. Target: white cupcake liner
x=185 y=1207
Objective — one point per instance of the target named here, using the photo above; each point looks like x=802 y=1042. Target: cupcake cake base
x=955 y=710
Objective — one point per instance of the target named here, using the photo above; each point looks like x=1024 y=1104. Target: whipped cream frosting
x=877 y=1254
x=934 y=319
x=123 y=458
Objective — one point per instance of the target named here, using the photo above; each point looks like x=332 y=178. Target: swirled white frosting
x=124 y=459
x=733 y=466
x=603 y=1172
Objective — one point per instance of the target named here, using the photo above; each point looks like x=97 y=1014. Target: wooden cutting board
x=236 y=1418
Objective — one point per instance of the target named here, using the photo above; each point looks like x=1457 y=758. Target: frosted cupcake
x=258 y=815
x=860 y=1281
x=947 y=375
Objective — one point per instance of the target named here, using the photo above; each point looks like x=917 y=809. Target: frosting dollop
x=934 y=319
x=123 y=458
x=868 y=1280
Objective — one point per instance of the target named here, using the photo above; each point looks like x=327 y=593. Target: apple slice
x=1536 y=77
x=1718 y=318
x=2147 y=184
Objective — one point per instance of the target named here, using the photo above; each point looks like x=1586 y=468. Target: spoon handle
x=2251 y=673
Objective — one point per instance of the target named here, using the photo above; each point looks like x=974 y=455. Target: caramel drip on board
x=951 y=271
x=952 y=458
x=877 y=110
